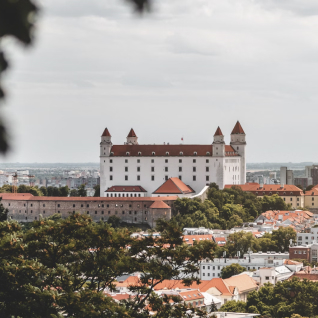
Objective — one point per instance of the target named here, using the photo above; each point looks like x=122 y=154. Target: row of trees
x=64 y=267
x=225 y=208
x=290 y=298
x=51 y=191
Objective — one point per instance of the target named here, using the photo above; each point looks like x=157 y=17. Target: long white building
x=149 y=166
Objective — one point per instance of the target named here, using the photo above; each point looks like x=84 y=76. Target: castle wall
x=135 y=211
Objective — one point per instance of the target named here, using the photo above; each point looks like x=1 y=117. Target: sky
x=179 y=71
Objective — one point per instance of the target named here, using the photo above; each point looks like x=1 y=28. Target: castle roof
x=168 y=150
x=237 y=129
x=218 y=132
x=126 y=189
x=132 y=133
x=106 y=133
x=174 y=186
x=159 y=205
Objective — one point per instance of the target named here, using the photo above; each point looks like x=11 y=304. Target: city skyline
x=178 y=72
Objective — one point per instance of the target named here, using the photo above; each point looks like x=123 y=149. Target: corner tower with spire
x=132 y=138
x=238 y=143
x=218 y=145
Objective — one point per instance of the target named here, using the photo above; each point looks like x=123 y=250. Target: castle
x=147 y=167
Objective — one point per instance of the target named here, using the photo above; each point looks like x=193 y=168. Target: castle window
x=111 y=160
x=181 y=153
x=153 y=153
x=110 y=168
x=166 y=160
x=138 y=169
x=152 y=169
x=58 y=211
x=102 y=205
x=195 y=153
x=166 y=178
x=166 y=169
x=180 y=160
x=284 y=193
x=180 y=177
x=207 y=160
x=87 y=212
x=167 y=153
x=73 y=205
x=123 y=212
x=44 y=205
x=194 y=160
x=208 y=153
x=110 y=178
x=194 y=178
x=111 y=153
x=291 y=193
x=194 y=169
x=138 y=160
x=138 y=178
x=207 y=178
x=152 y=160
x=207 y=169
x=139 y=153
x=102 y=212
x=145 y=218
x=126 y=169
x=127 y=153
x=135 y=219
x=58 y=205
x=108 y=205
x=152 y=178
x=180 y=169
x=95 y=212
x=126 y=160
x=291 y=199
x=135 y=212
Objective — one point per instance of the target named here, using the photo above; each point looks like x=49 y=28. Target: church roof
x=237 y=129
x=159 y=205
x=132 y=133
x=168 y=150
x=173 y=186
x=106 y=133
x=218 y=132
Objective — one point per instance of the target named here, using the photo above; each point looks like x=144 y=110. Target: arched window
x=127 y=153
x=153 y=153
x=195 y=153
x=181 y=153
x=167 y=153
x=208 y=153
x=139 y=153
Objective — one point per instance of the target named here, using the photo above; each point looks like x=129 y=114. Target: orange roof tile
x=242 y=282
x=237 y=129
x=218 y=132
x=173 y=186
x=159 y=205
x=129 y=281
x=190 y=239
x=132 y=133
x=106 y=133
x=16 y=196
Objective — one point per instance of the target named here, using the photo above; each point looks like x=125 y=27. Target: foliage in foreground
x=285 y=299
x=65 y=266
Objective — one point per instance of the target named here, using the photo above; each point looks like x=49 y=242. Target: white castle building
x=149 y=166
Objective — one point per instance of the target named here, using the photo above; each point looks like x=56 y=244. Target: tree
x=114 y=221
x=81 y=191
x=234 y=306
x=64 y=191
x=231 y=270
x=3 y=212
x=273 y=202
x=74 y=193
x=97 y=191
x=240 y=241
x=44 y=191
x=282 y=238
x=64 y=267
x=308 y=188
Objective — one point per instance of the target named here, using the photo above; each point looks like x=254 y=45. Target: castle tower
x=132 y=138
x=106 y=143
x=238 y=143
x=218 y=145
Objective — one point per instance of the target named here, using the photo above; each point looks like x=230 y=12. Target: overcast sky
x=180 y=71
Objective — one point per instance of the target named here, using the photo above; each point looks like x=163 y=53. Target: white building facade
x=150 y=166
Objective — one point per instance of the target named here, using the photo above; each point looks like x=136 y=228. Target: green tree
x=114 y=221
x=74 y=193
x=273 y=202
x=6 y=188
x=64 y=191
x=44 y=191
x=308 y=188
x=64 y=267
x=231 y=270
x=82 y=191
x=3 y=212
x=240 y=241
x=234 y=306
x=97 y=191
x=282 y=238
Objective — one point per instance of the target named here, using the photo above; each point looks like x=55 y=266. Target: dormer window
x=111 y=153
x=167 y=153
x=181 y=153
x=127 y=153
x=139 y=153
x=153 y=153
x=195 y=153
x=291 y=193
x=284 y=193
x=208 y=153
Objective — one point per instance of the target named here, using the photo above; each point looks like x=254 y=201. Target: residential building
x=289 y=193
x=300 y=252
x=311 y=198
x=310 y=236
x=150 y=165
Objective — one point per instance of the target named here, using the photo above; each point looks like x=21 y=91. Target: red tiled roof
x=237 y=129
x=311 y=277
x=159 y=205
x=167 y=150
x=106 y=133
x=243 y=282
x=120 y=296
x=313 y=191
x=173 y=186
x=268 y=189
x=126 y=189
x=16 y=196
x=132 y=133
x=190 y=239
x=218 y=132
x=88 y=199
